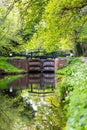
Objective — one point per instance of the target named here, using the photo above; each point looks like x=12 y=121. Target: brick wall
x=24 y=64
x=20 y=63
x=59 y=63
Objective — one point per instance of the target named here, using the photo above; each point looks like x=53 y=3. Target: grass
x=17 y=57
x=7 y=67
x=73 y=88
x=4 y=83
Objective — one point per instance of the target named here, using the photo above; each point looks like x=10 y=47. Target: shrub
x=75 y=84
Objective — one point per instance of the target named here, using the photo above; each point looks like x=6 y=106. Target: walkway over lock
x=40 y=54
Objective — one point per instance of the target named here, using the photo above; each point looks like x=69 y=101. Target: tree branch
x=7 y=13
x=75 y=7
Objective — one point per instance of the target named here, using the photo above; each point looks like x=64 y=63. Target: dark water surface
x=30 y=102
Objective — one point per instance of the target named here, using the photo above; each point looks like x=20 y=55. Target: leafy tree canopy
x=47 y=24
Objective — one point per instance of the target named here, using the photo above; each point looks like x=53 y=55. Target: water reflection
x=39 y=83
x=1 y=76
x=42 y=83
x=31 y=101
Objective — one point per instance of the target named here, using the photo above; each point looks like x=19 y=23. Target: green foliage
x=51 y=116
x=70 y=67
x=83 y=33
x=4 y=64
x=47 y=24
x=7 y=80
x=9 y=39
x=57 y=27
x=31 y=13
x=73 y=89
x=11 y=113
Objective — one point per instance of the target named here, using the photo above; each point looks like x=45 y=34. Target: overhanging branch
x=82 y=5
x=7 y=12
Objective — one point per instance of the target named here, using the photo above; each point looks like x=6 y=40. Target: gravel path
x=84 y=59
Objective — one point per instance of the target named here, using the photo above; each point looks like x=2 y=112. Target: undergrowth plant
x=7 y=67
x=73 y=88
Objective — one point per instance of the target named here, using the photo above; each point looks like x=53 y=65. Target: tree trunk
x=78 y=49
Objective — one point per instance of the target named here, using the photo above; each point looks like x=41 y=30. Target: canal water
x=31 y=102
